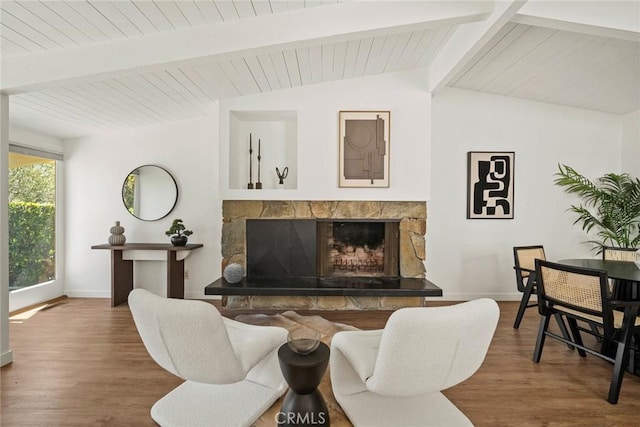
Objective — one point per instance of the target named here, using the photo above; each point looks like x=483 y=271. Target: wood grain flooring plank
x=82 y=363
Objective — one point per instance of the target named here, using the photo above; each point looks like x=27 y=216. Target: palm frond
x=614 y=202
x=574 y=182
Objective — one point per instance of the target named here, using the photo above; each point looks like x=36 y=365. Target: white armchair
x=395 y=376
x=231 y=368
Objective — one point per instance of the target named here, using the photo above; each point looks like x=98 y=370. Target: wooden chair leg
x=577 y=338
x=632 y=364
x=563 y=329
x=596 y=332
x=622 y=354
x=544 y=325
x=524 y=302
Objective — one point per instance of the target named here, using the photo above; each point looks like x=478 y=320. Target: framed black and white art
x=490 y=184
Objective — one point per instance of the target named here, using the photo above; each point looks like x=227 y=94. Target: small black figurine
x=283 y=175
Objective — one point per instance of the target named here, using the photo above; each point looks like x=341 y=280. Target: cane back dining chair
x=620 y=289
x=524 y=259
x=618 y=254
x=524 y=265
x=582 y=294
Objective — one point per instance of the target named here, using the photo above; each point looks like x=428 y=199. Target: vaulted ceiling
x=74 y=68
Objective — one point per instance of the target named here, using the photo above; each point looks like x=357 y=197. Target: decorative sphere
x=233 y=273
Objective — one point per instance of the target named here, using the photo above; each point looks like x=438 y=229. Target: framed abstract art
x=364 y=148
x=490 y=184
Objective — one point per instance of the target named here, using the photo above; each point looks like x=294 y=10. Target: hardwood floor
x=81 y=363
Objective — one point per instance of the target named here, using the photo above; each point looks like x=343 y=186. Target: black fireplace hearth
x=334 y=286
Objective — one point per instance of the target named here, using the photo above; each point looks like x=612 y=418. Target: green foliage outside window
x=31 y=243
x=128 y=192
x=33 y=183
x=31 y=223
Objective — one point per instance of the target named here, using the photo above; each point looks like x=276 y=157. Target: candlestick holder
x=250 y=184
x=259 y=184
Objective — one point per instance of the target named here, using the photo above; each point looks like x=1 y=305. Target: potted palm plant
x=178 y=232
x=611 y=206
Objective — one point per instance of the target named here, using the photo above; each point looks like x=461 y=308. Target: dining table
x=626 y=287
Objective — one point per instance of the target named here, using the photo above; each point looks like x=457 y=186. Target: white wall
x=95 y=171
x=631 y=143
x=317 y=109
x=472 y=258
x=467 y=258
x=97 y=166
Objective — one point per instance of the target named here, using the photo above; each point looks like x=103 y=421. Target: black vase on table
x=180 y=240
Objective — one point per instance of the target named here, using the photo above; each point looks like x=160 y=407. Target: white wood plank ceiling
x=532 y=62
x=558 y=67
x=34 y=26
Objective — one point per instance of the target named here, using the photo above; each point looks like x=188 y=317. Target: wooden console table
x=122 y=269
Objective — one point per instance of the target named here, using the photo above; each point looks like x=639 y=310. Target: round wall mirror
x=149 y=193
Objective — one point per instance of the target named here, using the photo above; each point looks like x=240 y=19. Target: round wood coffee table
x=303 y=405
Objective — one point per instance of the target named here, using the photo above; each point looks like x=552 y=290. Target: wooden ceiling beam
x=467 y=41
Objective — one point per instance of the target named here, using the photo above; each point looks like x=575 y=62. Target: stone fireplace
x=350 y=239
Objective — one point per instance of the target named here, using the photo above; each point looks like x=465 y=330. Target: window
x=32 y=217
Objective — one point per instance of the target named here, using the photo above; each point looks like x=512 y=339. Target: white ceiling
x=74 y=68
x=559 y=67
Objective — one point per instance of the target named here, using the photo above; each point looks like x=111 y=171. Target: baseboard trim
x=88 y=294
x=6 y=358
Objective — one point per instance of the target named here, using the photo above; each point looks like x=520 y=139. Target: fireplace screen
x=358 y=248
x=322 y=248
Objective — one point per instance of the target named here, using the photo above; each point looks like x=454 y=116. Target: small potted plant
x=178 y=233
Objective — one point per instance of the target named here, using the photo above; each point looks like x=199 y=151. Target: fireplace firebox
x=357 y=248
x=282 y=248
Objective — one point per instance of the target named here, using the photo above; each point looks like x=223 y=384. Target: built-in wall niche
x=275 y=135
